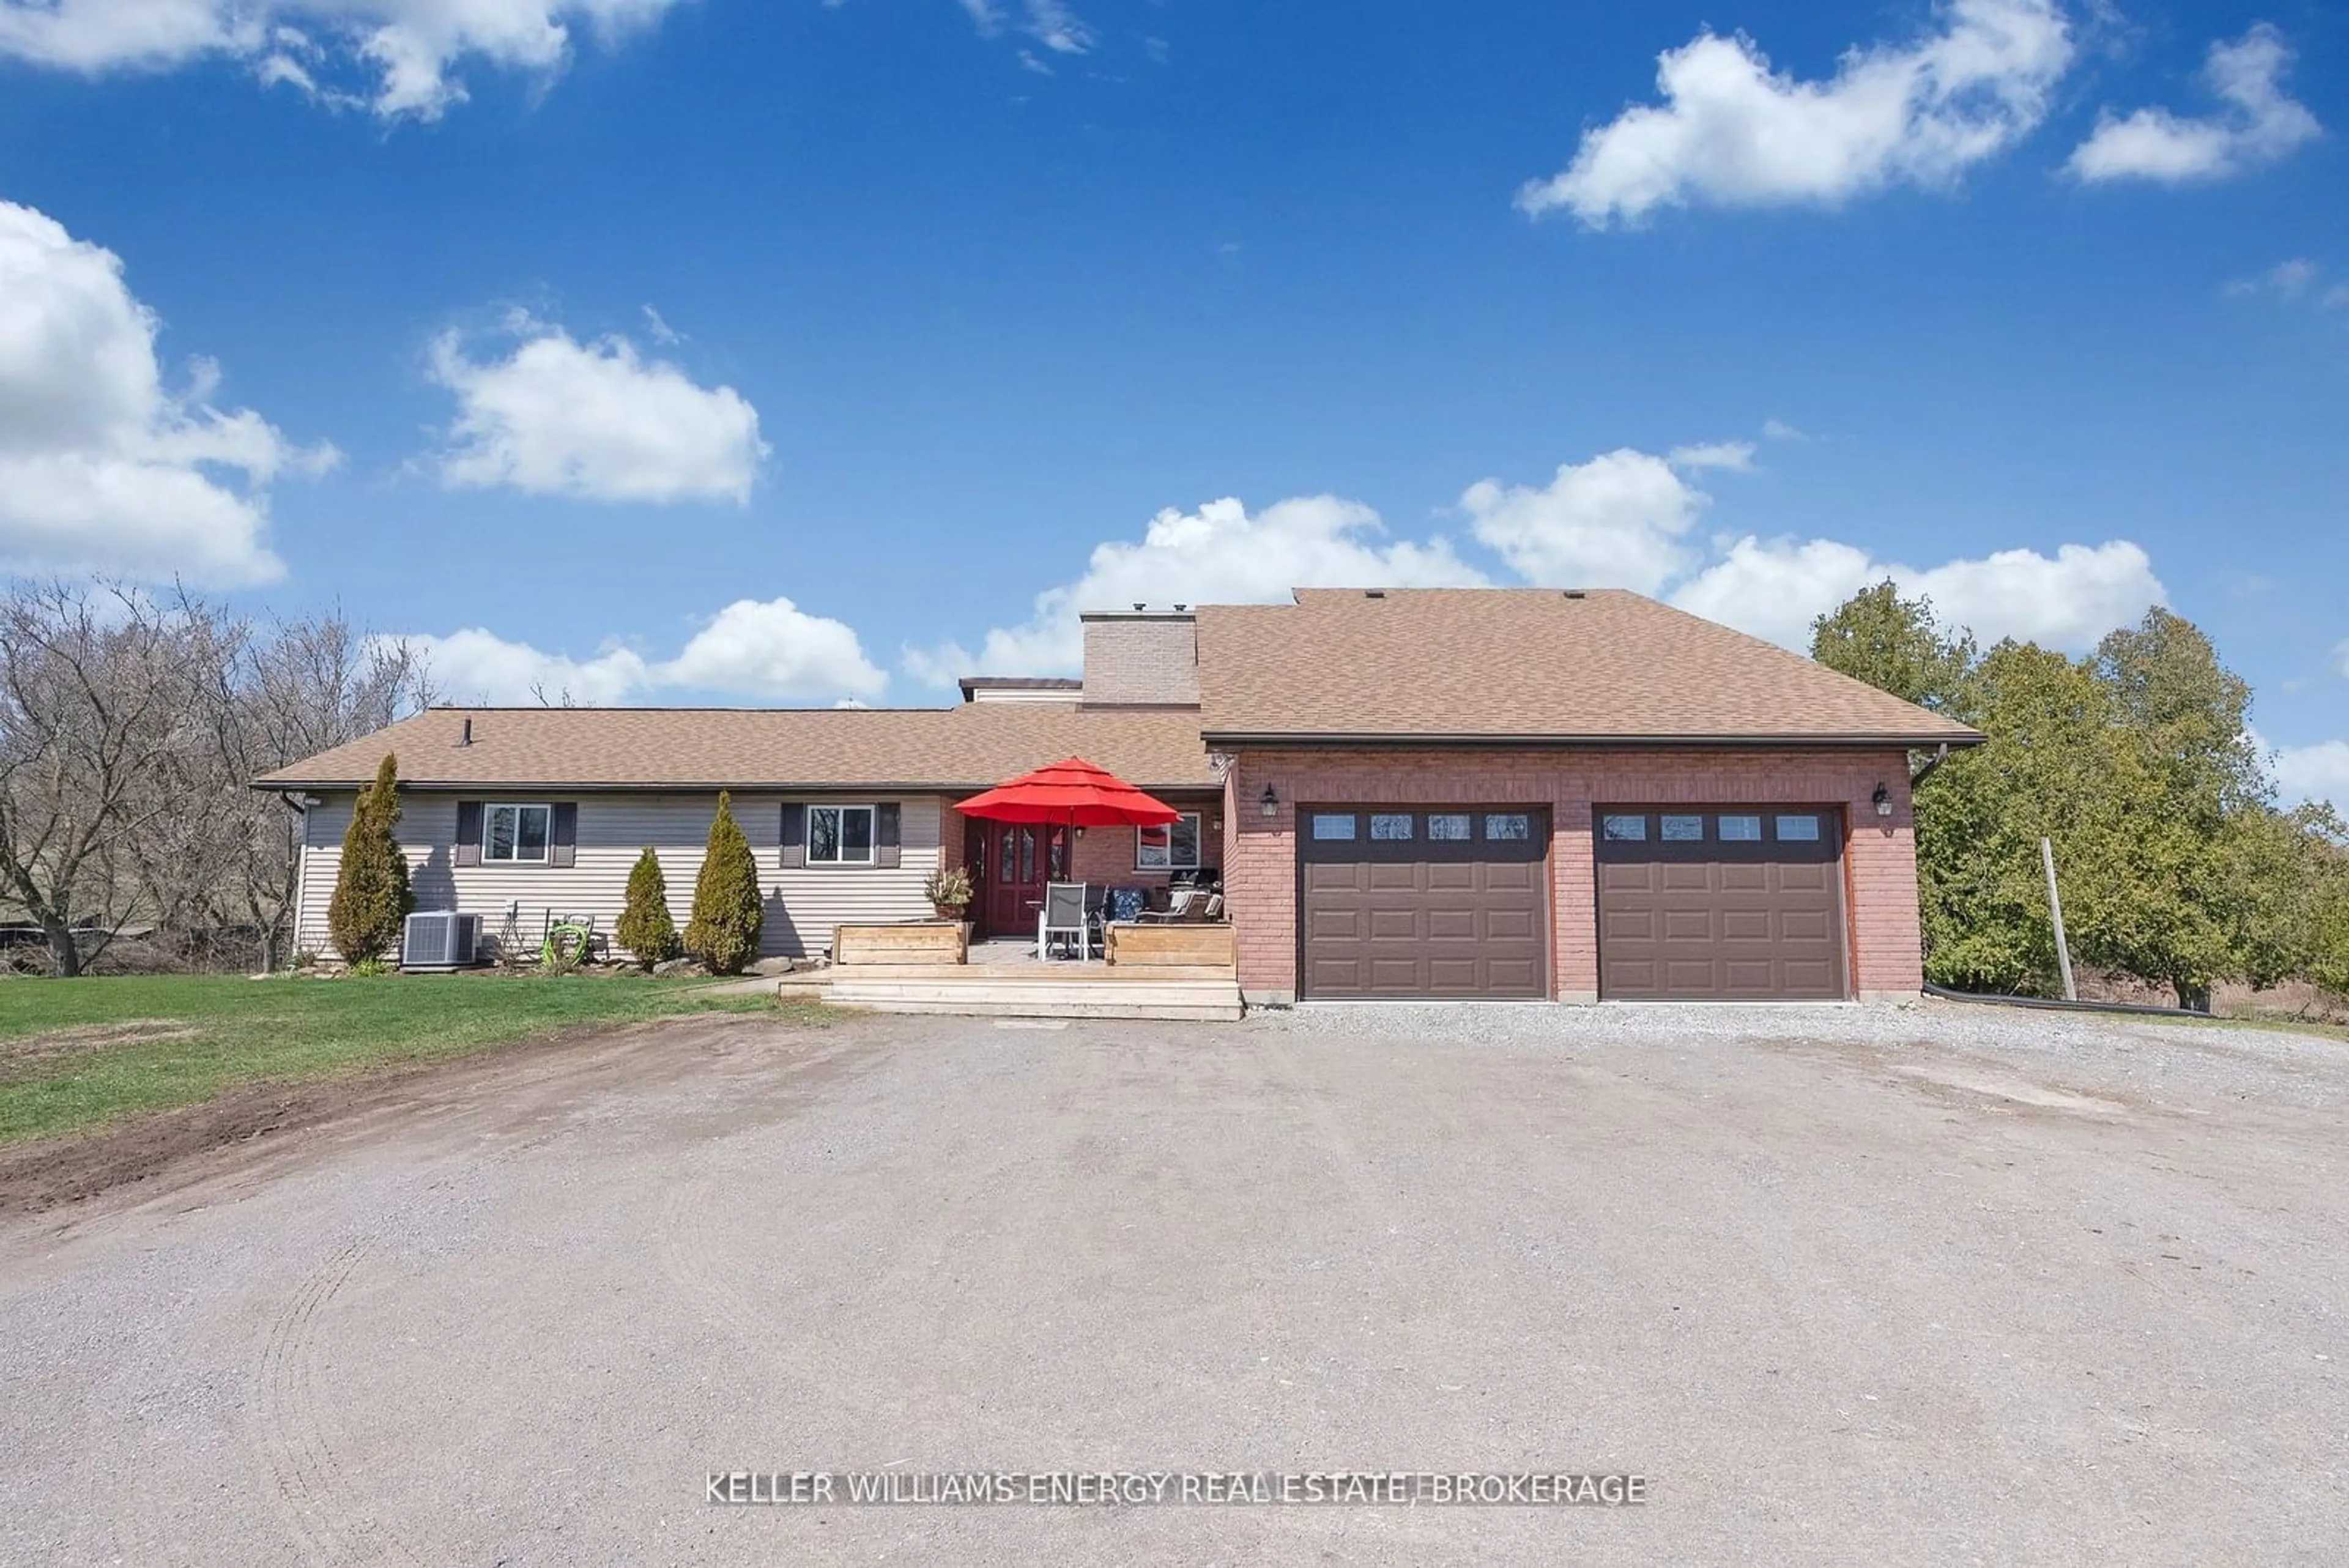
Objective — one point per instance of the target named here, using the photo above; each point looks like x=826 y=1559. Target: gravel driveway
x=1935 y=1285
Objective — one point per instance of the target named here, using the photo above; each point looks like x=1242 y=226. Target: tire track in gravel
x=704 y=1251
x=292 y=1437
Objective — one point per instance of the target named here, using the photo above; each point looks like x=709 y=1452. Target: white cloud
x=2287 y=279
x=2260 y=124
x=476 y=665
x=406 y=49
x=657 y=324
x=1779 y=430
x=1734 y=455
x=940 y=666
x=558 y=417
x=102 y=467
x=1774 y=588
x=1220 y=554
x=1053 y=24
x=2317 y=773
x=1619 y=521
x=769 y=651
x=1733 y=132
x=773 y=650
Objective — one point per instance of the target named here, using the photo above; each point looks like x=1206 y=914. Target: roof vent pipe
x=1140 y=606
x=465 y=736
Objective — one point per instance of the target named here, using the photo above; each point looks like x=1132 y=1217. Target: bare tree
x=97 y=687
x=132 y=728
x=300 y=688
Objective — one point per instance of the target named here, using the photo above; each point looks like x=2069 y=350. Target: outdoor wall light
x=1883 y=799
x=1269 y=802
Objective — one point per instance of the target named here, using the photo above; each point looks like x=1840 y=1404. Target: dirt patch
x=44 y=1172
x=2003 y=1088
x=34 y=1055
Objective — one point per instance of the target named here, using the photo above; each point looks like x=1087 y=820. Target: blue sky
x=749 y=350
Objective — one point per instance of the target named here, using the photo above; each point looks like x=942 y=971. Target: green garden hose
x=566 y=945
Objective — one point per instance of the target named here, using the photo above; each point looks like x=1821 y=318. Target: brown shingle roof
x=1461 y=665
x=1521 y=664
x=968 y=747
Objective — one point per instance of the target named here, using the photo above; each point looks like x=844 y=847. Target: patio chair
x=1180 y=902
x=1063 y=917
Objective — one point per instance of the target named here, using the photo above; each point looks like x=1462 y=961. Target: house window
x=1448 y=827
x=1391 y=825
x=1334 y=825
x=1741 y=829
x=1803 y=829
x=516 y=833
x=1172 y=847
x=1510 y=826
x=840 y=836
x=1624 y=828
x=1679 y=829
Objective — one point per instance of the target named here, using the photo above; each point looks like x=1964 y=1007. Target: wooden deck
x=1201 y=992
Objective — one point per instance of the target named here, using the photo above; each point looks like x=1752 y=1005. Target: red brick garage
x=1876 y=864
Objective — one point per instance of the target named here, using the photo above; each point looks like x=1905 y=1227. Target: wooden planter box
x=920 y=943
x=1173 y=946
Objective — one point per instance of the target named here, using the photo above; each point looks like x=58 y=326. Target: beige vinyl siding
x=803 y=905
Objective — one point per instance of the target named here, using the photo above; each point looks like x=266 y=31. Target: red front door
x=1011 y=862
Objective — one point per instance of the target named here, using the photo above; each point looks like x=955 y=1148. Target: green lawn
x=76 y=1053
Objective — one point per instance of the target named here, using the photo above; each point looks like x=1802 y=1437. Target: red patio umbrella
x=1075 y=793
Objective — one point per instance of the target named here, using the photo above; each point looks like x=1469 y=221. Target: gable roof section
x=959 y=750
x=1522 y=666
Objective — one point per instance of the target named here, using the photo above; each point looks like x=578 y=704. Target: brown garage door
x=1720 y=901
x=1422 y=901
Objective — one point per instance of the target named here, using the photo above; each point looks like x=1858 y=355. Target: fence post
x=2055 y=908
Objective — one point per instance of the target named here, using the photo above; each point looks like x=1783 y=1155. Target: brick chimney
x=1142 y=658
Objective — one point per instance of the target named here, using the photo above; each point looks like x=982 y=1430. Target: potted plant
x=948 y=890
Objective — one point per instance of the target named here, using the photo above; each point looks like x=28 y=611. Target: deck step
x=991 y=997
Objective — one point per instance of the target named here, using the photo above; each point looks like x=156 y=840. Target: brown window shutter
x=468 y=847
x=886 y=832
x=563 y=842
x=794 y=838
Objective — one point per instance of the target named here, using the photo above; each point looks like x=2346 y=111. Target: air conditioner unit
x=442 y=939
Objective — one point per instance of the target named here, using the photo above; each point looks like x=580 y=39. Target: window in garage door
x=1399 y=901
x=1721 y=903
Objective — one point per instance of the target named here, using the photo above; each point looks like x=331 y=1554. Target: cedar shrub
x=645 y=928
x=724 y=930
x=372 y=898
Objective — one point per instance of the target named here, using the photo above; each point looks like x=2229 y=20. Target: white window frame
x=840 y=838
x=490 y=810
x=1198 y=844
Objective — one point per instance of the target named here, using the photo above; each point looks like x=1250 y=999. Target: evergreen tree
x=645 y=928
x=724 y=930
x=372 y=898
